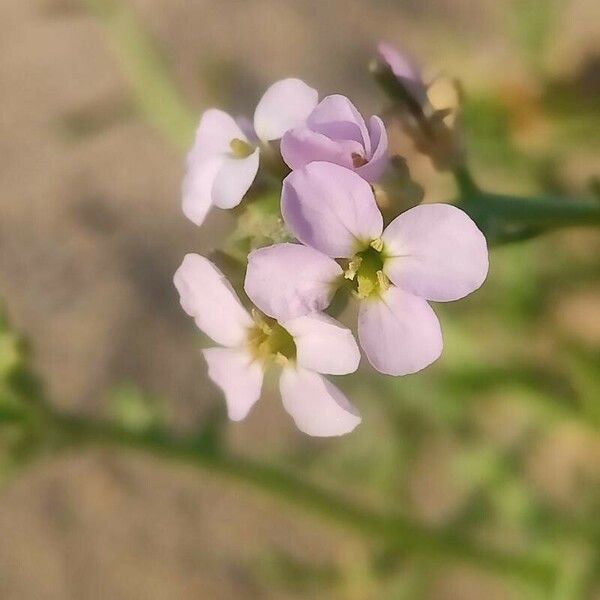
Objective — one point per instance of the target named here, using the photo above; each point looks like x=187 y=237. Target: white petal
x=206 y=295
x=204 y=162
x=439 y=253
x=285 y=105
x=316 y=405
x=233 y=179
x=214 y=134
x=399 y=332
x=197 y=188
x=238 y=376
x=289 y=280
x=323 y=344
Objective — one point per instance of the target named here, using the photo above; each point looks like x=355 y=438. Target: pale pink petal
x=289 y=280
x=197 y=188
x=301 y=146
x=323 y=344
x=379 y=159
x=213 y=136
x=285 y=105
x=331 y=209
x=247 y=126
x=204 y=162
x=399 y=332
x=206 y=295
x=437 y=252
x=337 y=118
x=233 y=180
x=316 y=405
x=239 y=377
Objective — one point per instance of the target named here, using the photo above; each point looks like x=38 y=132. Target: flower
x=224 y=158
x=336 y=132
x=305 y=347
x=430 y=252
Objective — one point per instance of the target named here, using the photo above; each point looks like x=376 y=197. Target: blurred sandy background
x=91 y=232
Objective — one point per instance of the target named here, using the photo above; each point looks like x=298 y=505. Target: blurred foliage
x=132 y=409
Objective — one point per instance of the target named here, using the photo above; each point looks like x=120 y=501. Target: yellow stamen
x=240 y=148
x=353 y=266
x=377 y=244
x=383 y=281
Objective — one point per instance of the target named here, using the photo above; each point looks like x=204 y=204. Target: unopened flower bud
x=429 y=114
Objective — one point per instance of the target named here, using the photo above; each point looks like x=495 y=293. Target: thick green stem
x=504 y=218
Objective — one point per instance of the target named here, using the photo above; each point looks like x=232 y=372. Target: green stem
x=465 y=182
x=505 y=218
x=394 y=530
x=152 y=86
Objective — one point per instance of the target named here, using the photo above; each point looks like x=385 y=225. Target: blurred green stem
x=66 y=432
x=504 y=218
x=153 y=88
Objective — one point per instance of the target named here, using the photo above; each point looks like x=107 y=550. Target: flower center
x=365 y=270
x=358 y=160
x=240 y=148
x=267 y=340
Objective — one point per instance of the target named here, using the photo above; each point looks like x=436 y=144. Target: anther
x=377 y=244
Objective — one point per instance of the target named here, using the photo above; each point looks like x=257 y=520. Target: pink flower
x=304 y=346
x=336 y=132
x=223 y=161
x=430 y=252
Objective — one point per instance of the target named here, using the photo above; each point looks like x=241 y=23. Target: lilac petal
x=379 y=160
x=289 y=280
x=234 y=179
x=301 y=146
x=197 y=188
x=285 y=105
x=337 y=118
x=239 y=377
x=399 y=332
x=437 y=252
x=404 y=68
x=316 y=405
x=213 y=136
x=206 y=295
x=323 y=344
x=204 y=161
x=330 y=208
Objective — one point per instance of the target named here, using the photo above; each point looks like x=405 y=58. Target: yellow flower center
x=365 y=270
x=268 y=340
x=240 y=148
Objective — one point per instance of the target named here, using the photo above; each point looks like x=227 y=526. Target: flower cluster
x=431 y=252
